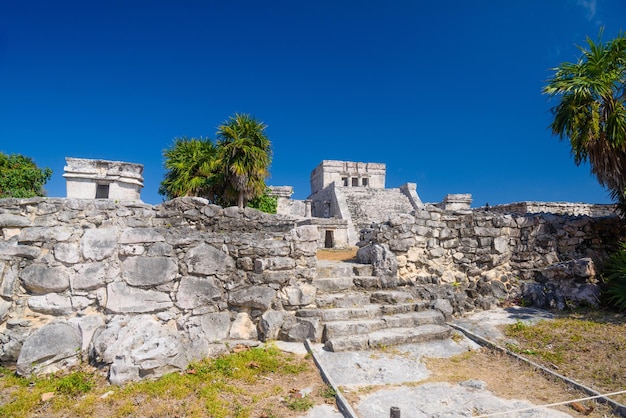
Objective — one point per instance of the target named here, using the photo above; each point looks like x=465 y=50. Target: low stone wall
x=557 y=208
x=482 y=258
x=145 y=289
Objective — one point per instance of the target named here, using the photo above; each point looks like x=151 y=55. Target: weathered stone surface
x=215 y=326
x=149 y=271
x=13 y=250
x=8 y=220
x=243 y=328
x=140 y=235
x=253 y=297
x=194 y=292
x=50 y=304
x=98 y=244
x=8 y=279
x=45 y=234
x=301 y=294
x=53 y=347
x=87 y=326
x=583 y=268
x=125 y=299
x=207 y=260
x=139 y=348
x=89 y=276
x=4 y=310
x=68 y=253
x=40 y=279
x=270 y=324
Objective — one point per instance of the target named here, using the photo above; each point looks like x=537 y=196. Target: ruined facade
x=102 y=179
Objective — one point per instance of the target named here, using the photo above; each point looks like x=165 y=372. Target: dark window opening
x=102 y=191
x=328 y=240
x=355 y=181
x=365 y=182
x=345 y=181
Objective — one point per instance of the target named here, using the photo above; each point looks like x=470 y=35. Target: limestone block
x=501 y=245
x=243 y=328
x=89 y=276
x=149 y=271
x=160 y=249
x=194 y=292
x=68 y=253
x=205 y=259
x=125 y=299
x=53 y=347
x=98 y=244
x=5 y=308
x=9 y=250
x=87 y=326
x=50 y=304
x=270 y=324
x=45 y=234
x=79 y=303
x=274 y=263
x=40 y=279
x=305 y=233
x=301 y=294
x=253 y=297
x=140 y=347
x=215 y=326
x=8 y=220
x=8 y=279
x=140 y=235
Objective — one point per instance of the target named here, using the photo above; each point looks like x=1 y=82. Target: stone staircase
x=356 y=313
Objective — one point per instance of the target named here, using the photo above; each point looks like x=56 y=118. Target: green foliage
x=231 y=171
x=300 y=404
x=615 y=277
x=191 y=165
x=20 y=177
x=75 y=383
x=264 y=203
x=245 y=157
x=592 y=111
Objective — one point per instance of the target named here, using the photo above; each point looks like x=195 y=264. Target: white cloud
x=590 y=6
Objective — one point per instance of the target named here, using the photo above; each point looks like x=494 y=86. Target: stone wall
x=142 y=289
x=485 y=257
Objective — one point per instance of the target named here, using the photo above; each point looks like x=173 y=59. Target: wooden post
x=394 y=412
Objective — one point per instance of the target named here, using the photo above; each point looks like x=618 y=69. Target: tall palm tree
x=191 y=165
x=592 y=111
x=245 y=157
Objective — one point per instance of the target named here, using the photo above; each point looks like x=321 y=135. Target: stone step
x=391 y=296
x=334 y=329
x=342 y=300
x=333 y=284
x=388 y=337
x=367 y=311
x=326 y=269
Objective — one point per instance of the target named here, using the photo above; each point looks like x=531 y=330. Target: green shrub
x=615 y=277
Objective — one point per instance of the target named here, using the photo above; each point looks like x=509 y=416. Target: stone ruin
x=102 y=179
x=143 y=290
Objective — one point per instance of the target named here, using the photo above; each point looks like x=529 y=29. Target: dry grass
x=588 y=347
x=340 y=254
x=511 y=379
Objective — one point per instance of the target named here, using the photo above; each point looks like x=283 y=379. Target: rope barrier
x=552 y=404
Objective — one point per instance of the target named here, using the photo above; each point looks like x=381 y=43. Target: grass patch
x=587 y=346
x=251 y=383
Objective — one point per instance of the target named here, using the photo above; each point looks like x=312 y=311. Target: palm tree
x=592 y=111
x=191 y=165
x=245 y=157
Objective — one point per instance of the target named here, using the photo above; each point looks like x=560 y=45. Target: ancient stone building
x=355 y=192
x=102 y=179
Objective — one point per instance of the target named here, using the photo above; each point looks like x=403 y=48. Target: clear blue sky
x=446 y=93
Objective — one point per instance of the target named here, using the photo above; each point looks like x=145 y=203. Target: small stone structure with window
x=102 y=179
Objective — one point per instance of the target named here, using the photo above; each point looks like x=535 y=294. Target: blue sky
x=446 y=93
